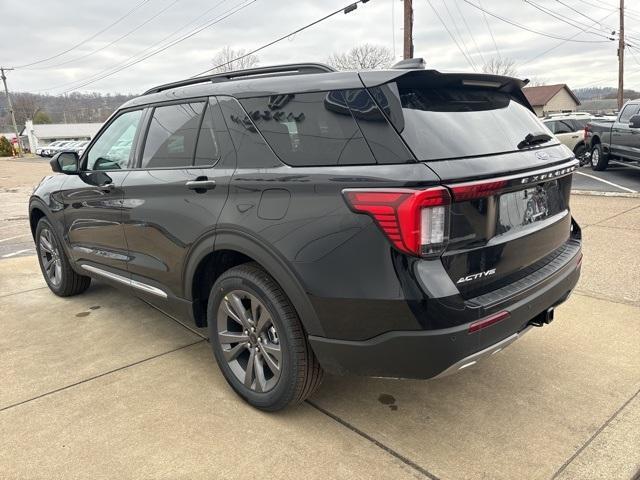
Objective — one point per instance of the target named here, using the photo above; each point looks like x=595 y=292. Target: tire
x=250 y=289
x=579 y=152
x=599 y=161
x=64 y=282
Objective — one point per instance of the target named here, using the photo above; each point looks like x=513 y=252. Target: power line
x=349 y=8
x=564 y=20
x=484 y=15
x=565 y=41
x=473 y=38
x=451 y=35
x=138 y=27
x=608 y=28
x=464 y=45
x=143 y=51
x=515 y=24
x=87 y=39
x=171 y=44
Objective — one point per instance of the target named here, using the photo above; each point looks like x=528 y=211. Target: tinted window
x=310 y=129
x=385 y=144
x=251 y=149
x=207 y=150
x=456 y=122
x=172 y=134
x=563 y=127
x=113 y=147
x=627 y=113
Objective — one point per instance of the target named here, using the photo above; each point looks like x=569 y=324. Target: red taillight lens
x=474 y=190
x=488 y=321
x=416 y=221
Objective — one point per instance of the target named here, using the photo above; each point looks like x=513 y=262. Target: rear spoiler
x=435 y=79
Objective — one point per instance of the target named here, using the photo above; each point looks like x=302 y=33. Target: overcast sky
x=44 y=28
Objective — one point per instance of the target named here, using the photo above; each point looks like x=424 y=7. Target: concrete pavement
x=103 y=386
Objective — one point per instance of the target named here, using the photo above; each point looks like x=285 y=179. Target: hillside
x=71 y=108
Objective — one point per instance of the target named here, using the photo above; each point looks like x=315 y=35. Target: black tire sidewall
x=602 y=160
x=42 y=224
x=284 y=391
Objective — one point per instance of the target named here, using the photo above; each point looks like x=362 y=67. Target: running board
x=126 y=281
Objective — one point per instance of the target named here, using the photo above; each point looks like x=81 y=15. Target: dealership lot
x=101 y=385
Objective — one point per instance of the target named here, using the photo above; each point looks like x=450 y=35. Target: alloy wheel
x=595 y=157
x=50 y=257
x=249 y=341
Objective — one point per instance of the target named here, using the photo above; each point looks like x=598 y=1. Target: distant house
x=551 y=99
x=43 y=134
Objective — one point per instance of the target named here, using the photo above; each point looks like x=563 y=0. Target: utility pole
x=13 y=117
x=408 y=29
x=621 y=58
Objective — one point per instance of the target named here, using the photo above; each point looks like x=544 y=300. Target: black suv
x=398 y=223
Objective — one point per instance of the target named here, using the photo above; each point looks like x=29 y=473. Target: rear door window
x=442 y=122
x=172 y=134
x=310 y=129
x=628 y=112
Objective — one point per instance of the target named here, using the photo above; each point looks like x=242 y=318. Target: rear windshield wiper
x=534 y=139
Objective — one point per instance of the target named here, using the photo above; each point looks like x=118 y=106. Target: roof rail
x=274 y=70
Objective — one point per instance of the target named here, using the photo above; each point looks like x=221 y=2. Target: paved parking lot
x=617 y=178
x=103 y=386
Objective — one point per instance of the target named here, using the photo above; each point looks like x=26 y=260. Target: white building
x=43 y=134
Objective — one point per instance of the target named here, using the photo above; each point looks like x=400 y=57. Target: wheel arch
x=231 y=248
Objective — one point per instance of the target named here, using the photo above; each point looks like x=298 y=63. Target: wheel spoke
x=270 y=361
x=274 y=351
x=58 y=270
x=235 y=307
x=232 y=353
x=226 y=337
x=248 y=374
x=46 y=262
x=261 y=382
x=263 y=321
x=45 y=245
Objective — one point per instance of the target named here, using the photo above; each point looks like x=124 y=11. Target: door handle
x=201 y=185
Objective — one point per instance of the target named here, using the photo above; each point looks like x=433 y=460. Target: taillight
x=415 y=221
x=474 y=190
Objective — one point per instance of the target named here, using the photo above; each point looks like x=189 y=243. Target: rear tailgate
x=512 y=226
x=510 y=179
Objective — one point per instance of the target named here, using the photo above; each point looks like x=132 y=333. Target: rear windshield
x=456 y=122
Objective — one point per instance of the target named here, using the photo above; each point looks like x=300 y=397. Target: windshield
x=456 y=122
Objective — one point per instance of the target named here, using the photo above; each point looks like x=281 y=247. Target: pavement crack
x=95 y=377
x=596 y=433
x=377 y=443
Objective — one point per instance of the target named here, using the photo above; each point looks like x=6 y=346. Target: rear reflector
x=415 y=221
x=487 y=321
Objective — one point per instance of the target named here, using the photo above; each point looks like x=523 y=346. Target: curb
x=596 y=193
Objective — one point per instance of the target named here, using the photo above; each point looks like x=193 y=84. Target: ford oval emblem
x=542 y=156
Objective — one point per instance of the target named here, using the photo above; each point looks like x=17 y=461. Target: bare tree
x=365 y=56
x=537 y=82
x=501 y=66
x=229 y=59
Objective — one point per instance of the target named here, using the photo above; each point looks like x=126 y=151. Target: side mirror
x=634 y=121
x=65 y=162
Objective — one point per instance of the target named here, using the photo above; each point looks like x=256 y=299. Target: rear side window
x=441 y=122
x=628 y=112
x=310 y=129
x=208 y=149
x=172 y=134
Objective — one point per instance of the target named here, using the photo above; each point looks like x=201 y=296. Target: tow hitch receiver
x=544 y=318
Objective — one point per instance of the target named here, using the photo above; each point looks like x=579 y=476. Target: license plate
x=523 y=207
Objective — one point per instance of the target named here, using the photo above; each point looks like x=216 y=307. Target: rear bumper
x=431 y=353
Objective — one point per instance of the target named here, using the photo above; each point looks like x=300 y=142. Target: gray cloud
x=47 y=27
